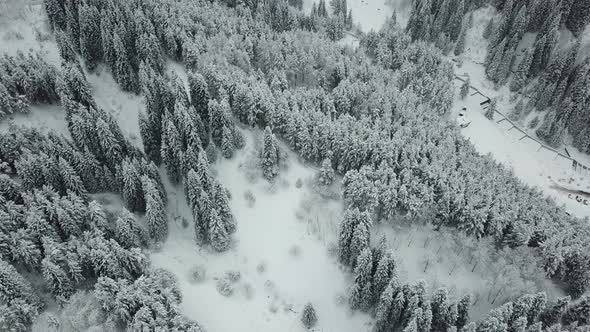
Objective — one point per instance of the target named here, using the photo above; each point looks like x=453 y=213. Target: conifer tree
x=218 y=236
x=155 y=211
x=90 y=38
x=461 y=40
x=227 y=143
x=171 y=149
x=308 y=316
x=465 y=88
x=487 y=32
x=55 y=13
x=132 y=186
x=269 y=158
x=383 y=312
x=491 y=109
x=520 y=77
x=123 y=72
x=463 y=311
x=326 y=174
x=66 y=49
x=199 y=95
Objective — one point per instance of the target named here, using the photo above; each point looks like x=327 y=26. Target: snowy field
x=280 y=253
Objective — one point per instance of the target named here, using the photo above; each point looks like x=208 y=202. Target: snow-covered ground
x=372 y=14
x=279 y=253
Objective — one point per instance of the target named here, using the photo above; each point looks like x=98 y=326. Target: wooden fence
x=486 y=103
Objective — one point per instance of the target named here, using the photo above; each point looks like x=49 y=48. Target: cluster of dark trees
x=25 y=80
x=51 y=227
x=396 y=306
x=555 y=79
x=560 y=75
x=443 y=22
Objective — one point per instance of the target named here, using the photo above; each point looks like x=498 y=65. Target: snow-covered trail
x=281 y=261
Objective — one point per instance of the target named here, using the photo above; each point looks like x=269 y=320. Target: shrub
x=233 y=276
x=198 y=274
x=249 y=197
x=299 y=183
x=308 y=317
x=225 y=287
x=534 y=123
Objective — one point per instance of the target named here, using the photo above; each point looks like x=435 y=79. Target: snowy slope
x=369 y=14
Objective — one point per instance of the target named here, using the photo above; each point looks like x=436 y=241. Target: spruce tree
x=520 y=77
x=326 y=174
x=199 y=96
x=123 y=72
x=55 y=13
x=90 y=37
x=269 y=158
x=491 y=109
x=308 y=316
x=155 y=211
x=465 y=88
x=487 y=32
x=227 y=143
x=218 y=236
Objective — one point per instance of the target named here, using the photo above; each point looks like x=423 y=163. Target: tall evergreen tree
x=90 y=37
x=155 y=211
x=269 y=158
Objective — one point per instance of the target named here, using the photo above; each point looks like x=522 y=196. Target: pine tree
x=520 y=77
x=383 y=315
x=461 y=40
x=269 y=157
x=553 y=314
x=227 y=143
x=171 y=149
x=326 y=174
x=90 y=38
x=463 y=311
x=537 y=58
x=465 y=88
x=14 y=286
x=517 y=113
x=384 y=274
x=359 y=242
x=491 y=109
x=456 y=21
x=132 y=187
x=440 y=310
x=123 y=72
x=155 y=212
x=66 y=49
x=308 y=316
x=218 y=236
x=579 y=16
x=55 y=13
x=487 y=32
x=199 y=95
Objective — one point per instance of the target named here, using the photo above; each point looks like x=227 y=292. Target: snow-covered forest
x=268 y=165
